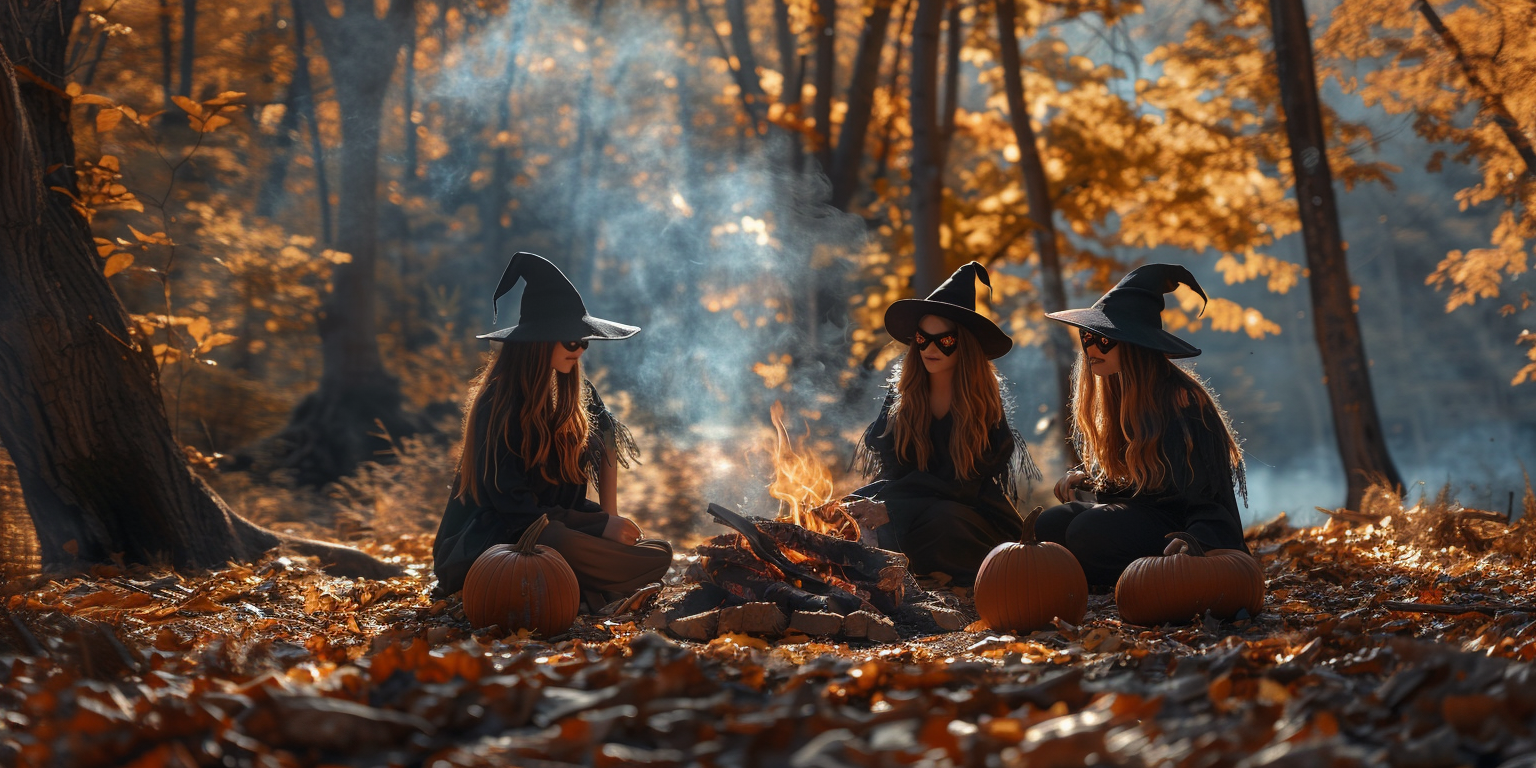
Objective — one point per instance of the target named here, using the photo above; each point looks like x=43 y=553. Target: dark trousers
x=939 y=536
x=608 y=570
x=1106 y=538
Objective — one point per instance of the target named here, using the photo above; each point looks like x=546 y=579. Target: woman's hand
x=621 y=530
x=1065 y=485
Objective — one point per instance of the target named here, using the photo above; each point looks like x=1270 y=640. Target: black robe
x=942 y=522
x=1124 y=524
x=512 y=497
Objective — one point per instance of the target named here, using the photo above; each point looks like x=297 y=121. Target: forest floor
x=277 y=663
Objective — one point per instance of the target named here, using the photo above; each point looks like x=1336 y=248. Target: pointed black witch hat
x=955 y=300
x=552 y=309
x=1132 y=311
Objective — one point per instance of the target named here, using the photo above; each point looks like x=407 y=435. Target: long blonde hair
x=552 y=414
x=1120 y=420
x=977 y=406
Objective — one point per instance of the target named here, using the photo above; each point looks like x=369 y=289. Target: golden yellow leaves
x=204 y=117
x=207 y=117
x=99 y=188
x=195 y=339
x=1223 y=314
x=112 y=114
x=119 y=260
x=1528 y=372
x=1478 y=273
x=1283 y=275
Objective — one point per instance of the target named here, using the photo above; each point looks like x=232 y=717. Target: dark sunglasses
x=948 y=343
x=572 y=346
x=1091 y=339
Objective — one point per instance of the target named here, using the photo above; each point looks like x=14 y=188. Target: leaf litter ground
x=278 y=664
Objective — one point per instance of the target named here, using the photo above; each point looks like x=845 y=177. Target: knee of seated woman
x=622 y=530
x=1093 y=526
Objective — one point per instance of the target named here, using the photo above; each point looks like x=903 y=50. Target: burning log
x=767 y=550
x=861 y=563
x=815 y=570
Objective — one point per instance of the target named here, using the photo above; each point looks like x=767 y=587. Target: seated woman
x=535 y=434
x=941 y=450
x=1159 y=453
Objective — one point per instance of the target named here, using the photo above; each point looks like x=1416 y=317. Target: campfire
x=812 y=571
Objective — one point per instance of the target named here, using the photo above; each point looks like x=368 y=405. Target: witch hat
x=1132 y=311
x=955 y=300
x=552 y=308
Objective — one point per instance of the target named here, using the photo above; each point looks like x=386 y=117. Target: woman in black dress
x=942 y=455
x=1159 y=453
x=535 y=435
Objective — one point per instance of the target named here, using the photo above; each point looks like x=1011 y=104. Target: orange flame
x=800 y=481
x=803 y=485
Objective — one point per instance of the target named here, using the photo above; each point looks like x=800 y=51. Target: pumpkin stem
x=529 y=541
x=1028 y=536
x=1183 y=542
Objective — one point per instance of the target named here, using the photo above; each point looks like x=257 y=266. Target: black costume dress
x=1124 y=525
x=513 y=498
x=944 y=524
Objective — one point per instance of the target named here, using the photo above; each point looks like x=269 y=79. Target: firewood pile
x=777 y=578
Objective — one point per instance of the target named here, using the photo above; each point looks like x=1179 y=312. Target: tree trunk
x=188 y=45
x=273 y=187
x=1346 y=369
x=792 y=66
x=953 y=40
x=90 y=69
x=586 y=156
x=167 y=56
x=331 y=431
x=502 y=167
x=1037 y=193
x=741 y=43
x=20 y=556
x=849 y=159
x=304 y=103
x=80 y=407
x=825 y=29
x=927 y=174
x=412 y=146
x=883 y=158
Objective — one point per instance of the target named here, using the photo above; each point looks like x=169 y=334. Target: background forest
x=257 y=239
x=303 y=204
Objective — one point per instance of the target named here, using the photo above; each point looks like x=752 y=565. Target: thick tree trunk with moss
x=80 y=407
x=1037 y=193
x=334 y=429
x=1346 y=368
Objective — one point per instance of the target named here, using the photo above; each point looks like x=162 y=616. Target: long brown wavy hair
x=1120 y=420
x=552 y=414
x=977 y=406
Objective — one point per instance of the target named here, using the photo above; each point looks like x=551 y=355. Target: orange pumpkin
x=1186 y=581
x=522 y=586
x=1023 y=586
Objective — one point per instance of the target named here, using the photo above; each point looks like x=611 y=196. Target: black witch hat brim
x=1095 y=320
x=1132 y=311
x=587 y=328
x=902 y=317
x=552 y=309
